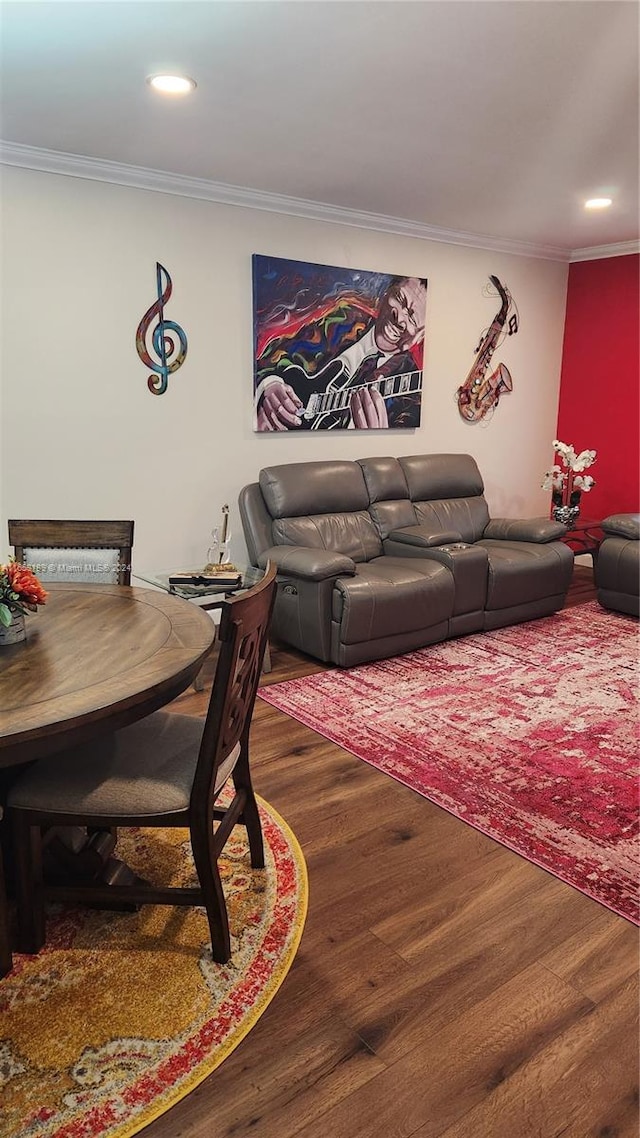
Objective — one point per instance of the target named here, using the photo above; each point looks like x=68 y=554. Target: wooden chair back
x=27 y=535
x=243 y=634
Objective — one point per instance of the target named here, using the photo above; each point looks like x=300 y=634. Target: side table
x=205 y=596
x=584 y=536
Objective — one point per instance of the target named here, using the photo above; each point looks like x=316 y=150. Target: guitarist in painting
x=367 y=367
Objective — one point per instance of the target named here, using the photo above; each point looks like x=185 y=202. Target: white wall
x=83 y=437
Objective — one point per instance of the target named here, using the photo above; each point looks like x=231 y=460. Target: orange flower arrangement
x=20 y=590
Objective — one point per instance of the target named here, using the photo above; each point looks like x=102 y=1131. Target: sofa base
x=619 y=602
x=499 y=618
x=466 y=623
x=348 y=655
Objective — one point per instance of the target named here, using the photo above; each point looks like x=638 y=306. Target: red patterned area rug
x=122 y=1014
x=528 y=733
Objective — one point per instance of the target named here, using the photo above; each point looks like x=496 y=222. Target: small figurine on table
x=218 y=554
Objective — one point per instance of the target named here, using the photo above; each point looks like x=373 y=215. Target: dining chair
x=165 y=770
x=79 y=551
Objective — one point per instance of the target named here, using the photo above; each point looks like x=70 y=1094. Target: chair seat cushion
x=390 y=596
x=147 y=768
x=523 y=571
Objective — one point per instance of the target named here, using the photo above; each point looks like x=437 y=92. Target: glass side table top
x=210 y=594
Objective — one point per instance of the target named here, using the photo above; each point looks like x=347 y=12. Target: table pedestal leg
x=74 y=855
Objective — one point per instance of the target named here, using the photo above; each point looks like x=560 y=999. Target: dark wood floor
x=444 y=985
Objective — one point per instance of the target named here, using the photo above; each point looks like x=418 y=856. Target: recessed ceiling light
x=171 y=84
x=597 y=203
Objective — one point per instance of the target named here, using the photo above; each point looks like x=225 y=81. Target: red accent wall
x=600 y=381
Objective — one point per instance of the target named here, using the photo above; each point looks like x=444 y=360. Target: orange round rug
x=122 y=1014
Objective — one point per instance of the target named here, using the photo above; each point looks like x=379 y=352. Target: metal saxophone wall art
x=480 y=393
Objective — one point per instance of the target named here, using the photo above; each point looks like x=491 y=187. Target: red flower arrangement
x=20 y=590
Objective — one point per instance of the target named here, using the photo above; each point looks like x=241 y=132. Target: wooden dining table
x=96 y=658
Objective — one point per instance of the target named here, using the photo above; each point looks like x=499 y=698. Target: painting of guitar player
x=335 y=348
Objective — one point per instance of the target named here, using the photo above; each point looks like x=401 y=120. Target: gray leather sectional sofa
x=383 y=555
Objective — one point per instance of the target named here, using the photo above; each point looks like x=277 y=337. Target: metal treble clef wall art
x=480 y=393
x=168 y=341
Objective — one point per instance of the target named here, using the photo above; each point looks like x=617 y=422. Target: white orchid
x=572 y=460
x=584 y=482
x=553 y=479
x=566 y=452
x=585 y=458
x=564 y=480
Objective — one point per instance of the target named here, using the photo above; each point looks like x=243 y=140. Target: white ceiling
x=494 y=118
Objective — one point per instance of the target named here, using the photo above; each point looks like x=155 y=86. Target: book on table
x=225 y=579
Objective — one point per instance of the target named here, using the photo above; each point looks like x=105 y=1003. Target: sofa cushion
x=467 y=517
x=521 y=572
x=384 y=478
x=447 y=492
x=388 y=516
x=623 y=525
x=299 y=488
x=352 y=534
x=391 y=508
x=435 y=476
x=390 y=596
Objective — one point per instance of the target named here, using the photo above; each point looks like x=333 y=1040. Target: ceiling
x=489 y=118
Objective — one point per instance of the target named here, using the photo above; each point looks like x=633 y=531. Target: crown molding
x=140 y=177
x=597 y=252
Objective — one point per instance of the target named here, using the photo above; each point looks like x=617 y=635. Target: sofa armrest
x=424 y=537
x=309 y=564
x=622 y=525
x=538 y=530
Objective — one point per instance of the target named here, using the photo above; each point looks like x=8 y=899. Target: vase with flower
x=20 y=593
x=567 y=481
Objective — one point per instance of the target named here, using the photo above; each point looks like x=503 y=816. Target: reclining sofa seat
x=340 y=598
x=506 y=570
x=384 y=555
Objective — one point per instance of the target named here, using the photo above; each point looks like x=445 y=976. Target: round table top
x=96 y=658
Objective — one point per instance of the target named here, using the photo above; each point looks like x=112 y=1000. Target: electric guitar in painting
x=326 y=408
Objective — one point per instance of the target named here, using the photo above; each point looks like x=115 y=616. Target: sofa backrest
x=389 y=503
x=447 y=493
x=322 y=505
x=351 y=507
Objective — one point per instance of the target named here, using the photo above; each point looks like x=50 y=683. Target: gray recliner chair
x=618 y=564
x=381 y=556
